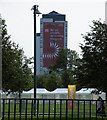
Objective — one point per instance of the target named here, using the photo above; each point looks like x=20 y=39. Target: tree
x=16 y=73
x=92 y=71
x=66 y=65
x=69 y=75
x=52 y=81
x=40 y=81
x=61 y=61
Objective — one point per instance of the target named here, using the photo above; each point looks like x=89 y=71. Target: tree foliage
x=61 y=61
x=49 y=81
x=16 y=73
x=92 y=71
x=52 y=81
x=66 y=65
x=69 y=75
x=63 y=71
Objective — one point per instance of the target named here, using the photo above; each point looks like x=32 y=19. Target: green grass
x=57 y=118
x=52 y=109
x=58 y=109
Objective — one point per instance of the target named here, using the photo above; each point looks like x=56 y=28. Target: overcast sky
x=79 y=14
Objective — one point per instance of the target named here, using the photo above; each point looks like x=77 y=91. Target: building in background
x=52 y=37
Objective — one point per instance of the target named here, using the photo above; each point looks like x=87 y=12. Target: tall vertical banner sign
x=71 y=96
x=53 y=40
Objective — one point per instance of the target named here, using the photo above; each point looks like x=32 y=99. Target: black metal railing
x=51 y=108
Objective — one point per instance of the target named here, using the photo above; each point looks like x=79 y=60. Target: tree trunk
x=20 y=104
x=19 y=94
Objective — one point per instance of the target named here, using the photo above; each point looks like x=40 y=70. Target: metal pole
x=36 y=11
x=35 y=82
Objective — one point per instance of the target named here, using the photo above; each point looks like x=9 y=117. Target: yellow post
x=71 y=96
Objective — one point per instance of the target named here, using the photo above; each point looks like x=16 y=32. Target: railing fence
x=47 y=108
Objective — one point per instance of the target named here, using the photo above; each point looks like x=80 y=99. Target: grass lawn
x=52 y=118
x=51 y=110
x=58 y=108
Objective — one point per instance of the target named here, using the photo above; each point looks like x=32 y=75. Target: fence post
x=0 y=66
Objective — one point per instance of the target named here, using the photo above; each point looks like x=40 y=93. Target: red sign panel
x=53 y=40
